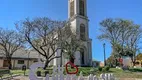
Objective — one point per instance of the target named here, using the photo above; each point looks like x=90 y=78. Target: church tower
x=77 y=15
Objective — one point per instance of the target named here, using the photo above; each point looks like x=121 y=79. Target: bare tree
x=43 y=35
x=10 y=42
x=71 y=44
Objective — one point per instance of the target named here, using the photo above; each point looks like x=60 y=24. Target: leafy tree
x=132 y=43
x=139 y=56
x=123 y=35
x=111 y=60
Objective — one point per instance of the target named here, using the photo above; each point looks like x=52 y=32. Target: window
x=5 y=63
x=81 y=7
x=35 y=61
x=71 y=8
x=82 y=32
x=82 y=55
x=20 y=61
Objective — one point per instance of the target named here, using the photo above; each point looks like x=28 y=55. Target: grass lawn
x=119 y=73
x=20 y=72
x=132 y=73
x=14 y=72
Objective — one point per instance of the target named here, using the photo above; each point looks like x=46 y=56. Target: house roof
x=22 y=54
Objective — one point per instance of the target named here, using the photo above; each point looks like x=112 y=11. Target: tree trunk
x=116 y=62
x=72 y=60
x=133 y=61
x=46 y=64
x=9 y=64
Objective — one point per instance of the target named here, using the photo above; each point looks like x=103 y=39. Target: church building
x=77 y=17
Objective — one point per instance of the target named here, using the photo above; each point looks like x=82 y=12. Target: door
x=5 y=63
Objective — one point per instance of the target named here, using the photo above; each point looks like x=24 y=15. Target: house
x=96 y=63
x=19 y=58
x=101 y=64
x=128 y=62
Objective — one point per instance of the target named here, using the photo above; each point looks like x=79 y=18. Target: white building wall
x=57 y=60
x=1 y=63
x=77 y=58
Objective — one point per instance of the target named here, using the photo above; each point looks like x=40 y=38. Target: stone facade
x=77 y=17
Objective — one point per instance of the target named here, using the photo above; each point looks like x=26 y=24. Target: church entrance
x=82 y=56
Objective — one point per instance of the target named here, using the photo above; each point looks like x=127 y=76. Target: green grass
x=20 y=72
x=126 y=74
x=119 y=73
x=14 y=72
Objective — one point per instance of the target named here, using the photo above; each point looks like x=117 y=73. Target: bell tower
x=77 y=15
x=77 y=7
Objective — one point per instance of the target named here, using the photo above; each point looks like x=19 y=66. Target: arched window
x=82 y=55
x=71 y=8
x=81 y=7
x=82 y=32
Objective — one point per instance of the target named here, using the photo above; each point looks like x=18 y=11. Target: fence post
x=90 y=77
x=95 y=78
x=54 y=70
x=56 y=76
x=60 y=69
x=73 y=77
x=53 y=77
x=106 y=76
x=102 y=76
x=112 y=76
x=109 y=77
x=61 y=77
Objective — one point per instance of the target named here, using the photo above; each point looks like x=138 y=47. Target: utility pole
x=104 y=55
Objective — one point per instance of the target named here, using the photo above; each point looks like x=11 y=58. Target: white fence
x=74 y=77
x=58 y=75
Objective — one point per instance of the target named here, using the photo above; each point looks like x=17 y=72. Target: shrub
x=100 y=68
x=51 y=66
x=103 y=70
x=92 y=70
x=38 y=73
x=46 y=72
x=107 y=68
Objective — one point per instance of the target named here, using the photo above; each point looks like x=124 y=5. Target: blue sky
x=12 y=11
